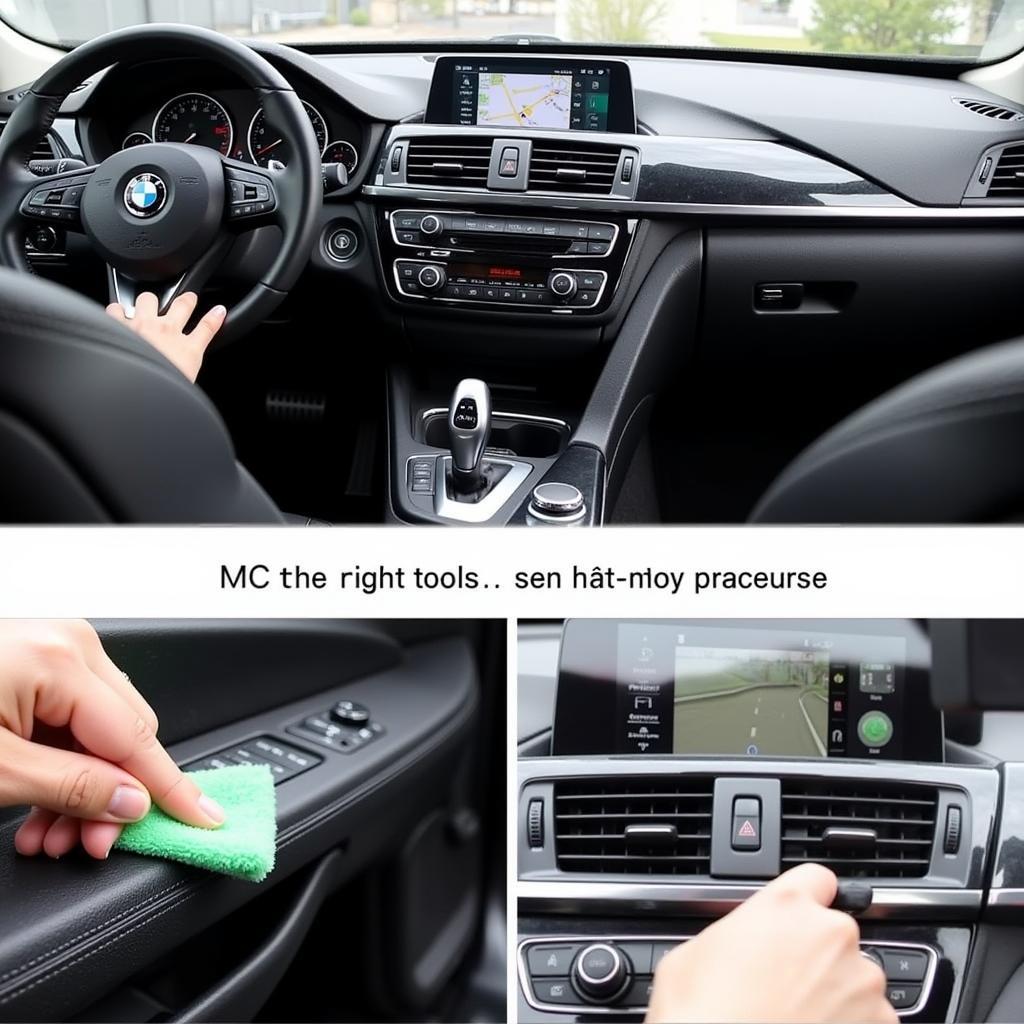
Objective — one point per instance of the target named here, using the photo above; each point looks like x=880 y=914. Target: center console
x=691 y=761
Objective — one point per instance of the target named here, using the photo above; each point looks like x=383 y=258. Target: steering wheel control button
x=600 y=973
x=145 y=195
x=904 y=964
x=348 y=712
x=556 y=502
x=342 y=244
x=249 y=194
x=551 y=961
x=746 y=823
x=875 y=729
x=902 y=997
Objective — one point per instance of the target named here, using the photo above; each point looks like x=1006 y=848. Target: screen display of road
x=505 y=95
x=757 y=701
x=768 y=692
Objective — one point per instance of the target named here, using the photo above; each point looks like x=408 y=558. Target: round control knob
x=563 y=284
x=348 y=712
x=430 y=225
x=431 y=278
x=600 y=973
x=557 y=503
x=43 y=238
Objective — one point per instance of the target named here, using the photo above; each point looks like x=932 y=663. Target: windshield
x=972 y=30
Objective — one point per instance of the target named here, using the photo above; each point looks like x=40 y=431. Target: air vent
x=646 y=826
x=448 y=162
x=859 y=830
x=580 y=167
x=43 y=150
x=993 y=110
x=1008 y=177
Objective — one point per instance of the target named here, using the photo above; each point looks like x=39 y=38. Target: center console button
x=348 y=712
x=431 y=225
x=639 y=954
x=600 y=232
x=551 y=961
x=407 y=221
x=588 y=280
x=493 y=225
x=902 y=997
x=600 y=972
x=578 y=248
x=661 y=949
x=431 y=278
x=554 y=990
x=904 y=964
x=597 y=248
x=638 y=993
x=408 y=237
x=571 y=229
x=562 y=284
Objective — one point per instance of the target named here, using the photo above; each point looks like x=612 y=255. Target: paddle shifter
x=469 y=425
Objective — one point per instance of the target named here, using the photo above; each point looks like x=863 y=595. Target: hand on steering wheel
x=164 y=216
x=166 y=332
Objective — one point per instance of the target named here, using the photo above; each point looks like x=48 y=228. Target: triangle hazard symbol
x=747 y=829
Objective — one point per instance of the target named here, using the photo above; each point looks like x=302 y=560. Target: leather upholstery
x=942 y=448
x=96 y=426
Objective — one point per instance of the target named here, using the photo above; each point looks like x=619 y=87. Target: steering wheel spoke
x=250 y=196
x=125 y=289
x=57 y=198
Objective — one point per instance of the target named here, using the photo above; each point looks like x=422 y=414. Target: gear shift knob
x=469 y=425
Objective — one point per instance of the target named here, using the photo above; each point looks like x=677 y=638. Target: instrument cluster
x=234 y=125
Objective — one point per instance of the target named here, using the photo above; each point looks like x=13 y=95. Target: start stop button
x=342 y=244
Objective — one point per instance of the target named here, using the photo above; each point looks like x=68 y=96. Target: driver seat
x=96 y=426
x=944 y=447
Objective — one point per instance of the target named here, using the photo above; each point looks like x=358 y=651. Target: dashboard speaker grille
x=648 y=826
x=581 y=168
x=859 y=830
x=1008 y=177
x=994 y=110
x=448 y=161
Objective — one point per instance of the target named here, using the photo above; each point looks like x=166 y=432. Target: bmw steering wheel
x=164 y=215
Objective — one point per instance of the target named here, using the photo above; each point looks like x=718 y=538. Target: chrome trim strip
x=713 y=899
x=443 y=411
x=551 y=308
x=492 y=502
x=523 y=970
x=1005 y=898
x=634 y=208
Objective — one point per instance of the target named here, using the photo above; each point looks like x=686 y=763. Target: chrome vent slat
x=993 y=110
x=1008 y=174
x=452 y=162
x=583 y=842
x=902 y=818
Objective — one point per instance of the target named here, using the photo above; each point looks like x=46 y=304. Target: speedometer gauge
x=196 y=119
x=267 y=142
x=342 y=153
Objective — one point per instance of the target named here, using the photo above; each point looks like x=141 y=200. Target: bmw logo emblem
x=145 y=195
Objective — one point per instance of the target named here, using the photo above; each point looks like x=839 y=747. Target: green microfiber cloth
x=243 y=846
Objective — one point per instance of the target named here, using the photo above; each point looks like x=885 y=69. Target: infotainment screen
x=506 y=93
x=754 y=689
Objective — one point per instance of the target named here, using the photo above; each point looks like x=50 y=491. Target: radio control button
x=578 y=248
x=406 y=221
x=600 y=232
x=431 y=225
x=549 y=229
x=409 y=237
x=573 y=230
x=904 y=964
x=493 y=225
x=902 y=997
x=597 y=248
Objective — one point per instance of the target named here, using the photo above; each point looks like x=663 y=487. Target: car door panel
x=71 y=931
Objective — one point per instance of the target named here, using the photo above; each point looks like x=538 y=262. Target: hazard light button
x=746 y=823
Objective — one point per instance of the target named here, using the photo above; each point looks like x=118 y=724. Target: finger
x=116 y=310
x=99 y=661
x=107 y=726
x=62 y=837
x=181 y=309
x=812 y=880
x=98 y=837
x=146 y=307
x=205 y=331
x=28 y=840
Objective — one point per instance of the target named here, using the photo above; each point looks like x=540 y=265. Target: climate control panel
x=588 y=975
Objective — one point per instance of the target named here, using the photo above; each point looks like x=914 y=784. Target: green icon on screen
x=875 y=729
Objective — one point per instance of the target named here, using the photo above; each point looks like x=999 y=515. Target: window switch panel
x=283 y=760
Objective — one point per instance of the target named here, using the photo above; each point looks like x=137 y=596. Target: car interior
x=669 y=768
x=388 y=899
x=716 y=288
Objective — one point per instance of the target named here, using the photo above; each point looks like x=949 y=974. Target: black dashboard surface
x=907 y=133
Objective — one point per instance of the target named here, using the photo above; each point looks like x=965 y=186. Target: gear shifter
x=469 y=425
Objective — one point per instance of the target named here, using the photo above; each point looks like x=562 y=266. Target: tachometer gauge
x=136 y=139
x=342 y=153
x=267 y=142
x=196 y=119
